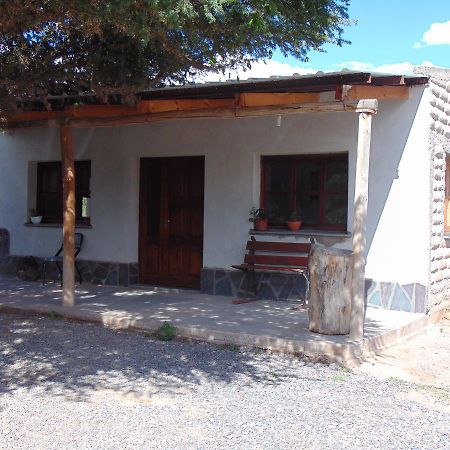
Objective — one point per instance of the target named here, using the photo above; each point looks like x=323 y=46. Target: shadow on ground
x=81 y=360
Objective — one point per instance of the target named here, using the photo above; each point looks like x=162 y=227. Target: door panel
x=171 y=221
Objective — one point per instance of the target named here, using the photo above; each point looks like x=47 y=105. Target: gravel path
x=73 y=385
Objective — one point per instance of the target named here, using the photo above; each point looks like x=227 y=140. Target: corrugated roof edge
x=319 y=81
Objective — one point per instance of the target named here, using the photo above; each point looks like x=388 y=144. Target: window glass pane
x=336 y=209
x=308 y=207
x=85 y=207
x=336 y=176
x=308 y=176
x=50 y=178
x=83 y=176
x=277 y=207
x=51 y=207
x=278 y=177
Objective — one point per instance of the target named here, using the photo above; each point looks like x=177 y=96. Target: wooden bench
x=281 y=257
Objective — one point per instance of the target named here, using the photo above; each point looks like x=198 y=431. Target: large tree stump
x=329 y=294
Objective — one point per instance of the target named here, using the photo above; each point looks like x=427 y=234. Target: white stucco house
x=164 y=192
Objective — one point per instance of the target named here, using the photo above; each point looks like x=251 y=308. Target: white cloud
x=259 y=69
x=401 y=68
x=437 y=34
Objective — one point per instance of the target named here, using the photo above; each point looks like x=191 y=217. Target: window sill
x=303 y=232
x=54 y=225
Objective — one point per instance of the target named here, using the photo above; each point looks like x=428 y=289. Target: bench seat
x=281 y=257
x=268 y=268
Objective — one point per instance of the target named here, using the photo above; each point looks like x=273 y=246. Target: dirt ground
x=423 y=360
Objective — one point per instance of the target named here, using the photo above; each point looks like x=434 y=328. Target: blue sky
x=389 y=36
x=387 y=33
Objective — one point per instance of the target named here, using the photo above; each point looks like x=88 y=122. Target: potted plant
x=35 y=216
x=259 y=218
x=294 y=222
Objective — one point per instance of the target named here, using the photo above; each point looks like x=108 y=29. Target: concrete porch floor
x=266 y=324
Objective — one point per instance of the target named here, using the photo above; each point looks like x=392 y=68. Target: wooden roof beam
x=265 y=110
x=277 y=98
x=360 y=92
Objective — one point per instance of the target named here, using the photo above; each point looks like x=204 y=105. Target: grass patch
x=166 y=332
x=233 y=347
x=339 y=377
x=439 y=393
x=54 y=315
x=398 y=380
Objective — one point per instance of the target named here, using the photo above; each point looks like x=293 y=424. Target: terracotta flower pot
x=294 y=225
x=261 y=224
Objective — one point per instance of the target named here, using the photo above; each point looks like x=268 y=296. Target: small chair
x=58 y=259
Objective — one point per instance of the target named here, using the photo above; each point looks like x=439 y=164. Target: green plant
x=257 y=214
x=294 y=216
x=339 y=378
x=54 y=315
x=166 y=332
x=233 y=347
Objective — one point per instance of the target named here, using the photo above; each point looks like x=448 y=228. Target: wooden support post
x=68 y=175
x=365 y=109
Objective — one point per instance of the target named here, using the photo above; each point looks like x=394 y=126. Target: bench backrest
x=277 y=254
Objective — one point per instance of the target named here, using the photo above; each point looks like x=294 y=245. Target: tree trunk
x=329 y=294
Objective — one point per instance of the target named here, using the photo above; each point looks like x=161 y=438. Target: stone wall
x=439 y=144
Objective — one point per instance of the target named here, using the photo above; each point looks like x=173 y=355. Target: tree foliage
x=50 y=47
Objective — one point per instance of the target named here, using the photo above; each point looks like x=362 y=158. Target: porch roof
x=318 y=82
x=235 y=98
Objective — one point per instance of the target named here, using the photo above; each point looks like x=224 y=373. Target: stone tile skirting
x=408 y=297
x=94 y=272
x=275 y=286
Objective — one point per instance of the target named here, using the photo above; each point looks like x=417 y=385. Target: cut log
x=329 y=294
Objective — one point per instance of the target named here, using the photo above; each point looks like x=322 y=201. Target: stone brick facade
x=439 y=145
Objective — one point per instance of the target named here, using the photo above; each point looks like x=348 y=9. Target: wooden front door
x=171 y=221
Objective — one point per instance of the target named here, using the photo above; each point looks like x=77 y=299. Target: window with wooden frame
x=49 y=192
x=447 y=195
x=316 y=186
